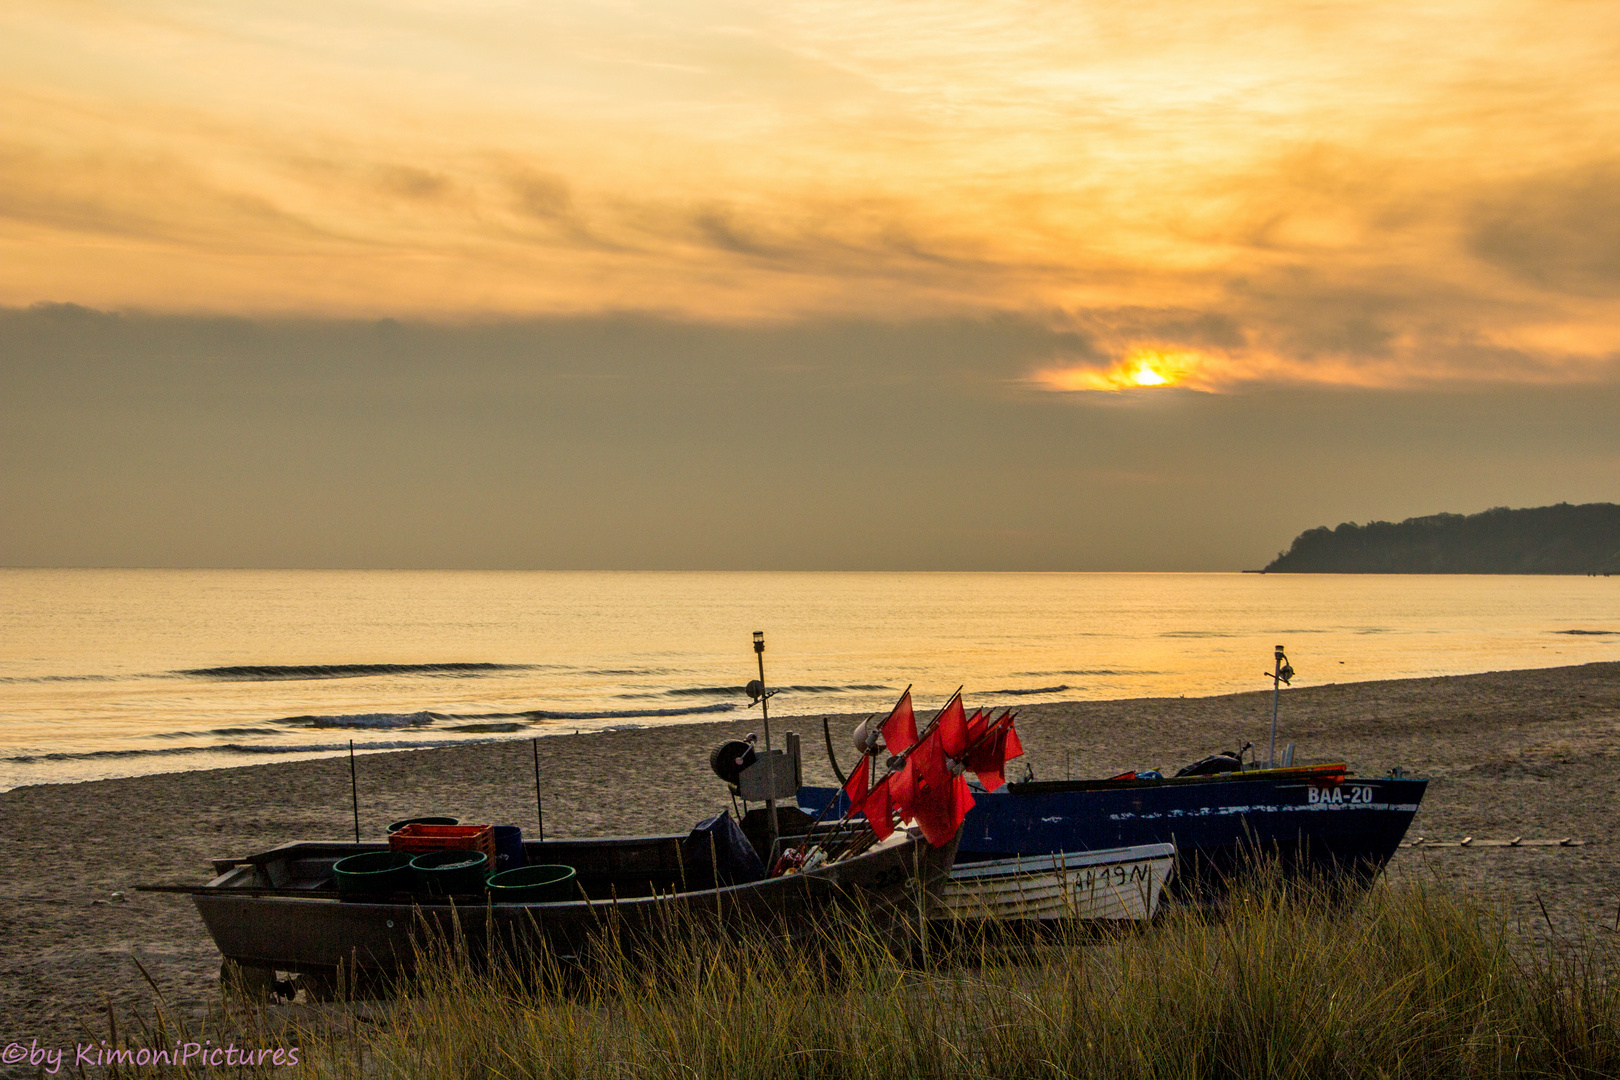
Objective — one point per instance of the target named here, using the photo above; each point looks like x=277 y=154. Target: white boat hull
x=1116 y=885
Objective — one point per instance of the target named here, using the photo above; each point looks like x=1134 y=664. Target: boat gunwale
x=827 y=875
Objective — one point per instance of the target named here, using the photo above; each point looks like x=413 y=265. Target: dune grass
x=1287 y=981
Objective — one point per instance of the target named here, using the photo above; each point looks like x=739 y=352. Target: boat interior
x=606 y=868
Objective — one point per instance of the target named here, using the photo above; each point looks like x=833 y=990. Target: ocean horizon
x=108 y=673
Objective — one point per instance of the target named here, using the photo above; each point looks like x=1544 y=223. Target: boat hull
x=1307 y=823
x=320 y=934
x=1114 y=885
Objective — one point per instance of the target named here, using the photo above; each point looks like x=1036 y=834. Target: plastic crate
x=422 y=839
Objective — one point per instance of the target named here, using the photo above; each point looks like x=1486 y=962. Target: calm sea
x=122 y=672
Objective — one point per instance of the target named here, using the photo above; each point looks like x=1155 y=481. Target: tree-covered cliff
x=1560 y=539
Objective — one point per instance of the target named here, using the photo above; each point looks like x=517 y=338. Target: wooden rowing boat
x=279 y=911
x=1113 y=885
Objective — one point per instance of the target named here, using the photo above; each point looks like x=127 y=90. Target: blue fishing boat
x=1315 y=818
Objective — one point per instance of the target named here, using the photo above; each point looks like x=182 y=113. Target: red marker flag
x=976 y=725
x=1014 y=747
x=900 y=729
x=879 y=809
x=859 y=782
x=953 y=728
x=989 y=757
x=940 y=798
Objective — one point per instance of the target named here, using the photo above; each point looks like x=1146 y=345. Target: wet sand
x=1528 y=753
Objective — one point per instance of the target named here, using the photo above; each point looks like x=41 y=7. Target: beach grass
x=1287 y=980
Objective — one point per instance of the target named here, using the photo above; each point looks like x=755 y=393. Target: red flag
x=878 y=808
x=953 y=728
x=976 y=725
x=989 y=758
x=1015 y=747
x=900 y=729
x=859 y=782
x=903 y=790
x=940 y=798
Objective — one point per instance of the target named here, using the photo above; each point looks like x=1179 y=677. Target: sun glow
x=1142 y=368
x=1146 y=376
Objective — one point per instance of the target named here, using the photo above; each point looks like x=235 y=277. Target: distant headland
x=1560 y=539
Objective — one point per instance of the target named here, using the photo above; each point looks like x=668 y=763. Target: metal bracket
x=775 y=775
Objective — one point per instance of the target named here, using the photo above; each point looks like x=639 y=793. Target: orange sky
x=1372 y=194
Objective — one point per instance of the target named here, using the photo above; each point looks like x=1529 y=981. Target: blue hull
x=1217 y=823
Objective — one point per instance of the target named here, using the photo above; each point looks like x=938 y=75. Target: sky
x=822 y=285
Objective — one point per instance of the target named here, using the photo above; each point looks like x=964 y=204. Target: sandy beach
x=1525 y=753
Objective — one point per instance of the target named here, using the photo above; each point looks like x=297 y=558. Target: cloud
x=1344 y=196
x=1558 y=232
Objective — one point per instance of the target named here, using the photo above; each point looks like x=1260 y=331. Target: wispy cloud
x=1368 y=194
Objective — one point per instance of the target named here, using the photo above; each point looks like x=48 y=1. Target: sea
x=107 y=673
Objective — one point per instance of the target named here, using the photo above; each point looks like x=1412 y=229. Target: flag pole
x=765 y=713
x=354 y=792
x=539 y=811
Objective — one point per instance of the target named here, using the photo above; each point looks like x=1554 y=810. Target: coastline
x=1532 y=753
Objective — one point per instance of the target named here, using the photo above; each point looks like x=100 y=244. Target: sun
x=1141 y=368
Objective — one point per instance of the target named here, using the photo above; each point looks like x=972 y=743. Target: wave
x=236 y=748
x=377 y=720
x=424 y=718
x=63 y=678
x=618 y=714
x=1028 y=692
x=1089 y=671
x=713 y=691
x=687 y=691
x=1588 y=633
x=285 y=672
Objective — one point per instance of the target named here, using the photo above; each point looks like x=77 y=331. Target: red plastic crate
x=421 y=839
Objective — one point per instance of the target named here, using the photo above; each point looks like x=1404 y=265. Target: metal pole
x=1276 y=695
x=765 y=712
x=539 y=812
x=354 y=792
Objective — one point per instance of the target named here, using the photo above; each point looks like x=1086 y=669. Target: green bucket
x=450 y=873
x=533 y=885
x=373 y=873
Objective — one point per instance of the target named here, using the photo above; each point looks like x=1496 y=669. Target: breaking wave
x=424 y=718
x=617 y=714
x=716 y=691
x=1088 y=671
x=376 y=720
x=235 y=748
x=284 y=672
